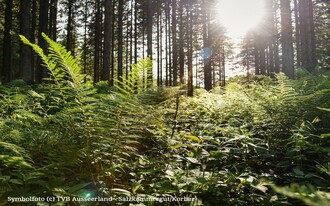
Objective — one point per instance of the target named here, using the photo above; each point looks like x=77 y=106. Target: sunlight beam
x=239 y=16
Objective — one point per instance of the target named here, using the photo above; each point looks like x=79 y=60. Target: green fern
x=78 y=113
x=138 y=78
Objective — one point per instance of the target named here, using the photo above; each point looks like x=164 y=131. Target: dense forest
x=156 y=102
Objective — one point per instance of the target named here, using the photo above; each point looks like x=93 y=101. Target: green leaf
x=192 y=137
x=16 y=181
x=178 y=146
x=298 y=172
x=136 y=188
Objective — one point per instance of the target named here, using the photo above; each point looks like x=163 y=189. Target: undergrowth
x=265 y=142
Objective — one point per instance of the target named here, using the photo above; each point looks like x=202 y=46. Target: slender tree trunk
x=69 y=27
x=6 y=70
x=169 y=49
x=33 y=35
x=135 y=31
x=105 y=75
x=190 y=51
x=297 y=33
x=159 y=35
x=120 y=40
x=206 y=42
x=53 y=20
x=97 y=38
x=307 y=35
x=25 y=50
x=43 y=28
x=286 y=39
x=263 y=67
x=174 y=44
x=271 y=38
x=85 y=37
x=113 y=40
x=181 y=45
x=167 y=53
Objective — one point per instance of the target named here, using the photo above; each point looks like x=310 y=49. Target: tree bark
x=53 y=19
x=206 y=42
x=190 y=51
x=149 y=39
x=25 y=50
x=286 y=39
x=69 y=27
x=120 y=40
x=105 y=76
x=6 y=70
x=174 y=45
x=307 y=35
x=181 y=45
x=42 y=71
x=97 y=38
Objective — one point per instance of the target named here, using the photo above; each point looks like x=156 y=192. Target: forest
x=164 y=102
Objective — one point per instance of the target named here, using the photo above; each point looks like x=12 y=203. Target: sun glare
x=239 y=16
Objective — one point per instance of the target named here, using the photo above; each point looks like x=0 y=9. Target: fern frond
x=137 y=80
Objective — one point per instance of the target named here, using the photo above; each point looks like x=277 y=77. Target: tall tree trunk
x=86 y=4
x=120 y=40
x=69 y=26
x=286 y=39
x=53 y=19
x=206 y=42
x=190 y=51
x=307 y=35
x=149 y=38
x=25 y=50
x=113 y=40
x=33 y=35
x=43 y=28
x=105 y=76
x=159 y=36
x=97 y=38
x=167 y=50
x=6 y=70
x=174 y=45
x=135 y=32
x=272 y=36
x=297 y=33
x=181 y=45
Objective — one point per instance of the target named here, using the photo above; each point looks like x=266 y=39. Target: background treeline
x=107 y=36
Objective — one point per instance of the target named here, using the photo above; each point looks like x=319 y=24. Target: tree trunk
x=297 y=33
x=120 y=40
x=286 y=39
x=97 y=38
x=181 y=45
x=190 y=51
x=53 y=19
x=33 y=35
x=25 y=50
x=307 y=35
x=149 y=39
x=174 y=45
x=6 y=70
x=105 y=76
x=207 y=60
x=69 y=27
x=42 y=71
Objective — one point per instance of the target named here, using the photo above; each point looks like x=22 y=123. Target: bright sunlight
x=239 y=16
